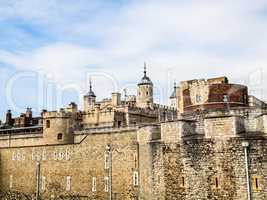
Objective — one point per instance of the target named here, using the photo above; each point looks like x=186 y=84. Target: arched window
x=47 y=123
x=198 y=98
x=59 y=136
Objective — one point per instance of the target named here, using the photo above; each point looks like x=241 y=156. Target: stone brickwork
x=214 y=93
x=200 y=162
x=200 y=158
x=140 y=152
x=81 y=162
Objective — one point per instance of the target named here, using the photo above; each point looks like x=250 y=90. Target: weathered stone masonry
x=192 y=150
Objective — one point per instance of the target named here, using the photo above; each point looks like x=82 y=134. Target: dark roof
x=91 y=93
x=145 y=80
x=173 y=95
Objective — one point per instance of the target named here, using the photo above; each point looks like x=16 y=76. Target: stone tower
x=145 y=91
x=59 y=126
x=89 y=99
x=173 y=97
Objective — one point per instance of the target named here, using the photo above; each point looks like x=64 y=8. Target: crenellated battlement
x=56 y=114
x=192 y=150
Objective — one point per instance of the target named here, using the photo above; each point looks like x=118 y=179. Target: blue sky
x=48 y=49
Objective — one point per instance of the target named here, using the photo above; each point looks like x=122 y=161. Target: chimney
x=116 y=98
x=72 y=107
x=9 y=118
x=29 y=113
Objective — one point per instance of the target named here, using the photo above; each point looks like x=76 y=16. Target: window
x=158 y=179
x=106 y=161
x=225 y=98
x=94 y=184
x=216 y=182
x=68 y=186
x=47 y=123
x=147 y=93
x=255 y=183
x=43 y=183
x=59 y=136
x=10 y=181
x=182 y=181
x=135 y=161
x=245 y=98
x=135 y=178
x=106 y=184
x=44 y=154
x=119 y=124
x=198 y=98
x=14 y=156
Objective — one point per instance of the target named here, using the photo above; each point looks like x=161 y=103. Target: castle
x=210 y=143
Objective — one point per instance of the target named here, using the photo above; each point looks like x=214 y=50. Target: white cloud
x=194 y=39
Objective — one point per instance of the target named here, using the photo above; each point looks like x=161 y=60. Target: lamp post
x=109 y=151
x=245 y=144
x=37 y=180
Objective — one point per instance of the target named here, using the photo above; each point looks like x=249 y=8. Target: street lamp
x=109 y=151
x=245 y=144
x=37 y=180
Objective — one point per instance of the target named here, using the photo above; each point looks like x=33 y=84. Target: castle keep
x=209 y=143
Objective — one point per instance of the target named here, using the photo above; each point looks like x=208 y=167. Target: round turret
x=145 y=91
x=89 y=99
x=58 y=127
x=173 y=97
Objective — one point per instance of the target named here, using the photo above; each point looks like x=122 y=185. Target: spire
x=90 y=84
x=144 y=69
x=145 y=80
x=173 y=95
x=91 y=93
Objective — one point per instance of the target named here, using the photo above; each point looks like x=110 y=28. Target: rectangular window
x=10 y=181
x=182 y=181
x=47 y=123
x=135 y=161
x=106 y=161
x=43 y=183
x=256 y=183
x=119 y=124
x=135 y=179
x=158 y=179
x=216 y=182
x=14 y=156
x=225 y=98
x=94 y=184
x=106 y=184
x=68 y=186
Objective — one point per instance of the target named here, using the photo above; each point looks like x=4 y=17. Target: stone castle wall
x=183 y=159
x=198 y=163
x=209 y=166
x=80 y=162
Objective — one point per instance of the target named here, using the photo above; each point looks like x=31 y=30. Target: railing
x=22 y=130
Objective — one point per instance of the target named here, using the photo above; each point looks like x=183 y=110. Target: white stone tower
x=145 y=91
